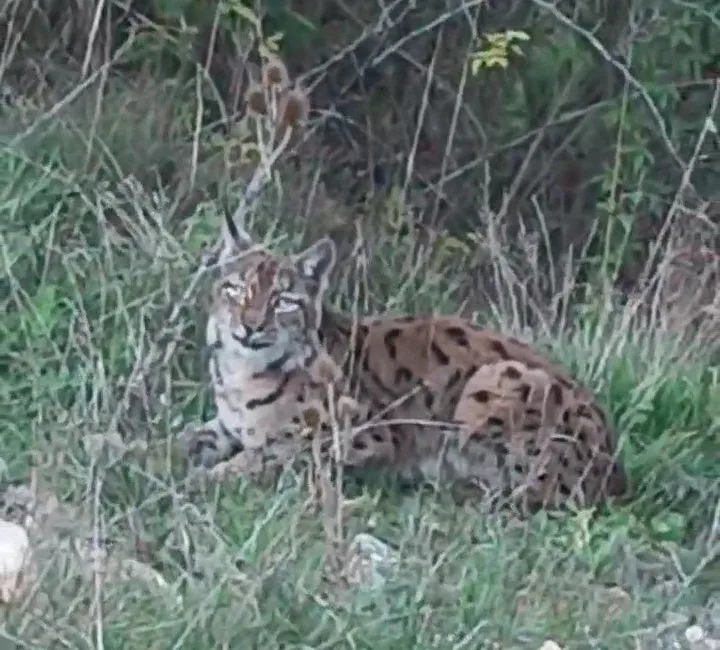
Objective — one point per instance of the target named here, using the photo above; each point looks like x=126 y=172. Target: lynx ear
x=235 y=238
x=316 y=262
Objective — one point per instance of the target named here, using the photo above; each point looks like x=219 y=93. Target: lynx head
x=267 y=307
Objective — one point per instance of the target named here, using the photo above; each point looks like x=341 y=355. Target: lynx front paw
x=246 y=464
x=203 y=443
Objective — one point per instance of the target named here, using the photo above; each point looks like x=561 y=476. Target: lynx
x=439 y=399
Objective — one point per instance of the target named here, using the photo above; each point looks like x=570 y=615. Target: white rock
x=370 y=561
x=698 y=640
x=695 y=634
x=14 y=561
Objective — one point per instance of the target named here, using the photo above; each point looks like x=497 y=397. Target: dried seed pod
x=324 y=370
x=311 y=416
x=255 y=100
x=275 y=74
x=294 y=108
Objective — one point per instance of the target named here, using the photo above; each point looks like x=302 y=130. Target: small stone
x=370 y=561
x=550 y=645
x=694 y=634
x=15 y=556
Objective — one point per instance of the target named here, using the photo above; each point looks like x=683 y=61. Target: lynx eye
x=232 y=290
x=286 y=306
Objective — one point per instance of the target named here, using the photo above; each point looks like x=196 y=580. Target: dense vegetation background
x=548 y=168
x=578 y=132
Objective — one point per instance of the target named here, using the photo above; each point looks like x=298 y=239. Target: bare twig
x=709 y=127
x=631 y=80
x=421 y=119
x=462 y=7
x=92 y=36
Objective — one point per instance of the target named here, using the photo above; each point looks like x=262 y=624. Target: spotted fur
x=444 y=400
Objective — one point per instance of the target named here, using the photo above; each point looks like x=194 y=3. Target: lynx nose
x=252 y=320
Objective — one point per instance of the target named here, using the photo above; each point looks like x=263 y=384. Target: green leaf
x=245 y=12
x=514 y=35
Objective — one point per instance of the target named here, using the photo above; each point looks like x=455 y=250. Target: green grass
x=83 y=304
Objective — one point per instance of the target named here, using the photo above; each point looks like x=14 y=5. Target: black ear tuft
x=317 y=261
x=235 y=239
